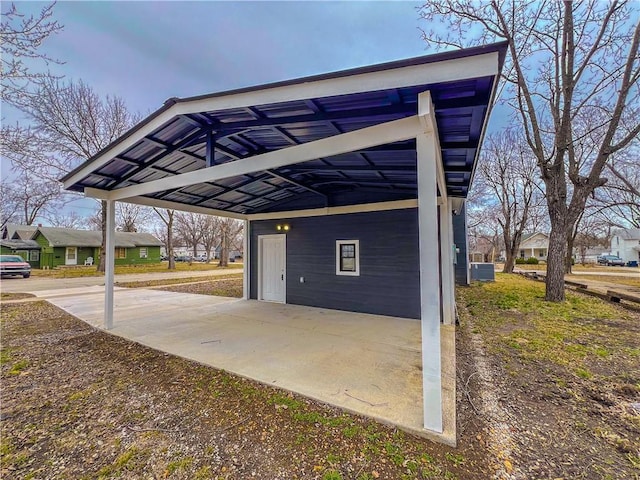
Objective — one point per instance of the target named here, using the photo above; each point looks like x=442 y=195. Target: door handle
x=282 y=277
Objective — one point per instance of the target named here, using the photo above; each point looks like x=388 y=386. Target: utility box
x=482 y=272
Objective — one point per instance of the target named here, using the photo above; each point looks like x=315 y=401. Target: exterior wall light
x=284 y=227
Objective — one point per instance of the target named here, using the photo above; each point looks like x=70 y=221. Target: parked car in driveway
x=14 y=265
x=611 y=260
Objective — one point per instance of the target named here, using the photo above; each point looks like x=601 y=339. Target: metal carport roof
x=190 y=134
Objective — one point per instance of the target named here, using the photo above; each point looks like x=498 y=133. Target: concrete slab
x=366 y=364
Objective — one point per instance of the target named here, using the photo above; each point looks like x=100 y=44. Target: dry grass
x=90 y=271
x=621 y=280
x=178 y=281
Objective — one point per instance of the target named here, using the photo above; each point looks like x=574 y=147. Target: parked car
x=184 y=258
x=14 y=265
x=611 y=260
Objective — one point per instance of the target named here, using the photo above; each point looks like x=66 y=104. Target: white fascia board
x=320 y=212
x=449 y=70
x=154 y=202
x=389 y=132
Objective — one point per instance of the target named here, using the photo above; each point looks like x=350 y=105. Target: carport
x=347 y=184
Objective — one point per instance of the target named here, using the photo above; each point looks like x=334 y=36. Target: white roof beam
x=157 y=203
x=393 y=131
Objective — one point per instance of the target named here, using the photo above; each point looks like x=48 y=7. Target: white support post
x=446 y=249
x=429 y=281
x=109 y=259
x=246 y=284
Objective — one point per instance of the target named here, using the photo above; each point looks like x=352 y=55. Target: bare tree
x=9 y=205
x=64 y=219
x=568 y=62
x=32 y=196
x=70 y=123
x=210 y=234
x=21 y=38
x=230 y=229
x=508 y=173
x=166 y=235
x=592 y=232
x=619 y=200
x=131 y=217
x=189 y=228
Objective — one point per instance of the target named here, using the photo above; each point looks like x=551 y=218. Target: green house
x=66 y=246
x=27 y=249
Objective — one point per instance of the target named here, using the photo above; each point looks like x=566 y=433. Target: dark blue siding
x=389 y=281
x=460 y=239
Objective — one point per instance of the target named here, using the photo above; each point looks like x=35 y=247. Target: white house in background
x=590 y=255
x=534 y=245
x=626 y=244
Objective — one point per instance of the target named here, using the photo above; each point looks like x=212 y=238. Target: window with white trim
x=34 y=256
x=121 y=252
x=348 y=257
x=143 y=252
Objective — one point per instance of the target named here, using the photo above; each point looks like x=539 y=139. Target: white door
x=272 y=276
x=71 y=257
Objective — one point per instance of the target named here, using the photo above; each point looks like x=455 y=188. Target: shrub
x=532 y=261
x=520 y=261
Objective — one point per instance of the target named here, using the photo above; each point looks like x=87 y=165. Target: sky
x=149 y=51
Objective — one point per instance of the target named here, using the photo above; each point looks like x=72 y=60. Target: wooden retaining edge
x=611 y=295
x=617 y=296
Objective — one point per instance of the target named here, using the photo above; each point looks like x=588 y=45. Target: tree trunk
x=556 y=261
x=224 y=249
x=568 y=263
x=103 y=223
x=510 y=260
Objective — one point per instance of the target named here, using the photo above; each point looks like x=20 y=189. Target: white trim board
x=319 y=212
x=154 y=202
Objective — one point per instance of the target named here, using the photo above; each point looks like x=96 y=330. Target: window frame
x=146 y=252
x=356 y=256
x=120 y=253
x=34 y=256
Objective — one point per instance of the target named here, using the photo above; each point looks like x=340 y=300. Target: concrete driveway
x=366 y=364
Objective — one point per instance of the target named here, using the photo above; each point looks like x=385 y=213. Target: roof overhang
x=326 y=141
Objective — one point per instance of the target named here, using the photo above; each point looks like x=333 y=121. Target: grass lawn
x=178 y=281
x=15 y=296
x=630 y=281
x=568 y=374
x=590 y=267
x=90 y=271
